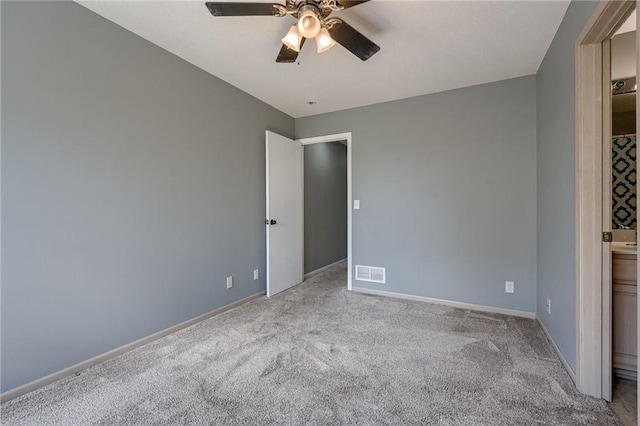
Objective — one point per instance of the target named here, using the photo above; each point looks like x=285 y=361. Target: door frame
x=593 y=302
x=337 y=138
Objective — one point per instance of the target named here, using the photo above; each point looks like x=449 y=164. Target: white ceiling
x=426 y=47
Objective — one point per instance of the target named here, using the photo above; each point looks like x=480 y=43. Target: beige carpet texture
x=320 y=355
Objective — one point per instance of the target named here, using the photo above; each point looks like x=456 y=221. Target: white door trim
x=607 y=270
x=336 y=138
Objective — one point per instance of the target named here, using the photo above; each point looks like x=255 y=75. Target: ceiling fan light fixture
x=293 y=39
x=308 y=23
x=324 y=41
x=313 y=20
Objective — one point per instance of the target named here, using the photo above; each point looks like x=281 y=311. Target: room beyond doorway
x=325 y=205
x=321 y=257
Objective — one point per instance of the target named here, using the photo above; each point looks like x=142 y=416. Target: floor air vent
x=370 y=273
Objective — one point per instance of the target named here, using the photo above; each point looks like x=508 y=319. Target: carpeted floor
x=320 y=355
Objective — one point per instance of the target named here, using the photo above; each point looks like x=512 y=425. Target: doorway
x=327 y=147
x=325 y=206
x=593 y=198
x=621 y=187
x=285 y=208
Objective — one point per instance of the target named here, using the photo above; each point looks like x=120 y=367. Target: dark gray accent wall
x=132 y=186
x=447 y=190
x=556 y=181
x=325 y=204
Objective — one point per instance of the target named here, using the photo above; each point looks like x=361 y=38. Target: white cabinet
x=625 y=293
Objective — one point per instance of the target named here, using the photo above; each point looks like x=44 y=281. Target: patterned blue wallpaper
x=624 y=182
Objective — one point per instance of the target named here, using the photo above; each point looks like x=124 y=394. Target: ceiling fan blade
x=243 y=9
x=352 y=40
x=347 y=4
x=287 y=55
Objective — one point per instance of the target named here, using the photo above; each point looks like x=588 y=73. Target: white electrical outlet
x=229 y=282
x=508 y=286
x=256 y=274
x=549 y=306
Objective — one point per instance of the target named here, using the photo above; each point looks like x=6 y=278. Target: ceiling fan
x=313 y=22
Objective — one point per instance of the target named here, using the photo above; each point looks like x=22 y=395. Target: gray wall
x=447 y=190
x=132 y=185
x=556 y=181
x=325 y=204
x=623 y=55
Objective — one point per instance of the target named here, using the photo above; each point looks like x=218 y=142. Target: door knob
x=273 y=222
x=269 y=222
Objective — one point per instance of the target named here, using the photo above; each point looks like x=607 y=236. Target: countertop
x=624 y=248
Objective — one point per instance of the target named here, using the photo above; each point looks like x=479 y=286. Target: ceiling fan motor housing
x=323 y=8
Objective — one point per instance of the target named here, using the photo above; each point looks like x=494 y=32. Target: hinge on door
x=607 y=237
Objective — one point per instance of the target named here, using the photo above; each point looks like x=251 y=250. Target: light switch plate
x=356 y=204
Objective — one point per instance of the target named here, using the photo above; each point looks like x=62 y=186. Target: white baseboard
x=324 y=268
x=452 y=303
x=38 y=383
x=566 y=365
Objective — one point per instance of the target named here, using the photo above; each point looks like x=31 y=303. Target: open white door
x=285 y=213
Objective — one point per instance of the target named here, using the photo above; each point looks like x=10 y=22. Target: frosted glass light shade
x=309 y=24
x=293 y=39
x=324 y=41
